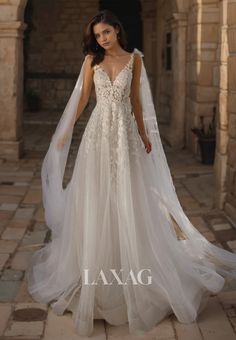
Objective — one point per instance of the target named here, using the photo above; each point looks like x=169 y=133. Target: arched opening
x=52 y=62
x=129 y=12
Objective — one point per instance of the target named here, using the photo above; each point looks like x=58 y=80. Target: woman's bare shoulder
x=137 y=62
x=137 y=57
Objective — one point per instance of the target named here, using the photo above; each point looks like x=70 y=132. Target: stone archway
x=130 y=15
x=12 y=29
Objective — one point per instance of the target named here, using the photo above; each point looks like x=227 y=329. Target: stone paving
x=22 y=231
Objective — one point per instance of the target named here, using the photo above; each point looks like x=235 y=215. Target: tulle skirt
x=117 y=219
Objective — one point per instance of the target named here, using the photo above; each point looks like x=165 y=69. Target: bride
x=115 y=251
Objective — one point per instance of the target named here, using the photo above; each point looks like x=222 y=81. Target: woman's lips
x=106 y=44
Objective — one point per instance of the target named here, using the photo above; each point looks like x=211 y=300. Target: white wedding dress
x=118 y=215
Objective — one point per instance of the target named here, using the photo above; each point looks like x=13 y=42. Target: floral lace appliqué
x=112 y=121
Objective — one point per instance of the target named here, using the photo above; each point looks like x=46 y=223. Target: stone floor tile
x=36 y=183
x=3 y=260
x=163 y=331
x=5 y=215
x=24 y=213
x=227 y=298
x=188 y=202
x=232 y=244
x=201 y=188
x=39 y=216
x=199 y=223
x=233 y=322
x=214 y=324
x=226 y=235
x=2 y=226
x=216 y=220
x=23 y=305
x=209 y=236
x=21 y=184
x=230 y=286
x=5 y=312
x=23 y=295
x=231 y=312
x=221 y=226
x=8 y=290
x=62 y=328
x=21 y=329
x=17 y=173
x=13 y=233
x=9 y=206
x=34 y=237
x=19 y=223
x=33 y=197
x=10 y=199
x=21 y=260
x=12 y=275
x=7 y=246
x=187 y=331
x=13 y=190
x=38 y=226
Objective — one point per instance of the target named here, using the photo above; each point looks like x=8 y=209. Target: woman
x=114 y=252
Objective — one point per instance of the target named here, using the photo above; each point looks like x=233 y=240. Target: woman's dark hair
x=90 y=45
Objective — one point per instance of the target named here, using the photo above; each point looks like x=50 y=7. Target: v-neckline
x=118 y=74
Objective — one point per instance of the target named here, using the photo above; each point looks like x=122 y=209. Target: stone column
x=202 y=66
x=11 y=89
x=175 y=134
x=230 y=204
x=149 y=39
x=221 y=156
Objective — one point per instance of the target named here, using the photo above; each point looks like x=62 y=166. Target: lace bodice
x=117 y=90
x=112 y=124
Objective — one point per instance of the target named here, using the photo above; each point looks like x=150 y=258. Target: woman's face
x=106 y=35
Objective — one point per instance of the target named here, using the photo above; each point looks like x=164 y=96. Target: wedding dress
x=120 y=211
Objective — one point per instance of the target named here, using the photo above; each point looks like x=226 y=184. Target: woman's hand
x=146 y=142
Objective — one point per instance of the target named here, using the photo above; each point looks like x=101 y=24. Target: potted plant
x=33 y=101
x=207 y=139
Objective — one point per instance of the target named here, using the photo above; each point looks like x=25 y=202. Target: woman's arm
x=87 y=86
x=136 y=102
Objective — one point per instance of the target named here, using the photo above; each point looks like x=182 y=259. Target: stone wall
x=202 y=66
x=221 y=154
x=53 y=48
x=164 y=78
x=230 y=205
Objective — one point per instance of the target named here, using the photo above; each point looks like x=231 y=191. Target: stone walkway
x=23 y=230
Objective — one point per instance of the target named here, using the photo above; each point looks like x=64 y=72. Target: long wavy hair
x=90 y=45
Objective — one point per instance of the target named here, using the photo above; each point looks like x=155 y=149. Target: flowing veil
x=54 y=195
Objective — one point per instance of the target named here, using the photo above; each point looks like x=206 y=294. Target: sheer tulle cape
x=132 y=228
